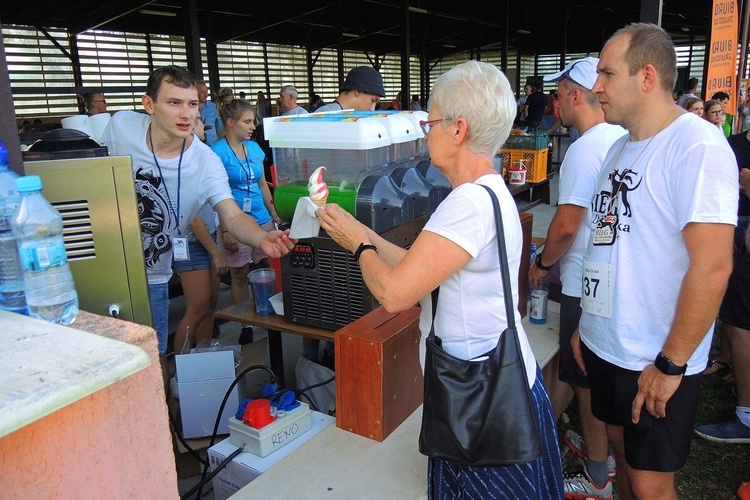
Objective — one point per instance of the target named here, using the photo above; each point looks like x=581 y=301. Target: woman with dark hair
x=713 y=113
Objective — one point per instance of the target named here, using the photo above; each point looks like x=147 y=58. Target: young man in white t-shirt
x=567 y=238
x=657 y=262
x=175 y=175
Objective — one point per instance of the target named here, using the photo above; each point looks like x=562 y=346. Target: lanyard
x=249 y=178
x=179 y=177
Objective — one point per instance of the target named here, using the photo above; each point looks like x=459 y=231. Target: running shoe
x=730 y=430
x=578 y=446
x=579 y=487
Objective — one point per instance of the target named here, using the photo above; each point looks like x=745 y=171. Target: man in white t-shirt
x=175 y=175
x=657 y=262
x=288 y=96
x=567 y=238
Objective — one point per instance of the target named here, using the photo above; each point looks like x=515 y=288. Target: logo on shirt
x=153 y=212
x=622 y=184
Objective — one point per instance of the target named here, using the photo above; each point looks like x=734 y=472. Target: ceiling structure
x=433 y=28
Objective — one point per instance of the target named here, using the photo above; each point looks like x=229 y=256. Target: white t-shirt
x=686 y=174
x=471 y=307
x=299 y=110
x=202 y=180
x=579 y=177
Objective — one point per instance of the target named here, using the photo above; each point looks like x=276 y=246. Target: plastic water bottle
x=12 y=296
x=50 y=290
x=533 y=259
x=539 y=298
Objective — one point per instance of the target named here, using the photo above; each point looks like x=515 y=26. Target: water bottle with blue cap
x=38 y=228
x=12 y=297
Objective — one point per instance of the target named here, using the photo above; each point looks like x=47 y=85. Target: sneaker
x=730 y=430
x=246 y=335
x=579 y=486
x=577 y=445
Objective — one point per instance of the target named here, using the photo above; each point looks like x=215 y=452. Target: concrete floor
x=292 y=344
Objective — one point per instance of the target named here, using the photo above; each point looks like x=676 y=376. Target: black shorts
x=654 y=444
x=735 y=308
x=570 y=314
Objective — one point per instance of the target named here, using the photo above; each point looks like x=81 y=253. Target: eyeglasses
x=716 y=113
x=427 y=125
x=99 y=100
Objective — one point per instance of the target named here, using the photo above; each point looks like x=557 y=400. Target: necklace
x=630 y=168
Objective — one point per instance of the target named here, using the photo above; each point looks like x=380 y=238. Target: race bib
x=596 y=293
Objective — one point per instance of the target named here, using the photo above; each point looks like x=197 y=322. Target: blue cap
x=29 y=183
x=3 y=154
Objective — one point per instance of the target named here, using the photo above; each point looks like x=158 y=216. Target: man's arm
x=709 y=248
x=245 y=229
x=560 y=235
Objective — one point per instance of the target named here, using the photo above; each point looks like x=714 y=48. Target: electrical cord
x=221 y=411
x=218 y=468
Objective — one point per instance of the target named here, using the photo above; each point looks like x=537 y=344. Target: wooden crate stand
x=379 y=380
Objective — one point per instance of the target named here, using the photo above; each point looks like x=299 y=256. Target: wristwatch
x=361 y=248
x=539 y=264
x=667 y=367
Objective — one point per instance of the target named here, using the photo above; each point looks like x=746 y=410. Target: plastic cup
x=263 y=281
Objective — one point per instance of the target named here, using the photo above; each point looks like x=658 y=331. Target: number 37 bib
x=596 y=294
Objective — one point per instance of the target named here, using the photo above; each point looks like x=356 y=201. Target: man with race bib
x=657 y=262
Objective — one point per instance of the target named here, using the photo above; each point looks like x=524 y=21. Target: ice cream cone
x=321 y=203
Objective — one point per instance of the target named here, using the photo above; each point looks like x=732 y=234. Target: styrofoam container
x=277 y=302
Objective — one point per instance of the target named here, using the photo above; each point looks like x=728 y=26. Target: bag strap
x=504 y=271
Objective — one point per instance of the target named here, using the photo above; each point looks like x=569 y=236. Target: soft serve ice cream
x=317 y=187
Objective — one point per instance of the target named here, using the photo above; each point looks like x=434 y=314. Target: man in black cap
x=361 y=91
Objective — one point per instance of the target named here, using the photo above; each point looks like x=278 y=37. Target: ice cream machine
x=378 y=170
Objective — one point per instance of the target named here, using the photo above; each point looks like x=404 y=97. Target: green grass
x=713 y=470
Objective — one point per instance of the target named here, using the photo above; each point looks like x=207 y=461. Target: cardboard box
x=255 y=353
x=246 y=466
x=379 y=380
x=202 y=381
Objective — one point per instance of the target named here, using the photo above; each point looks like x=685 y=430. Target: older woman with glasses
x=471 y=112
x=714 y=113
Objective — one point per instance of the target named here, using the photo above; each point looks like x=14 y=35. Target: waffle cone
x=320 y=203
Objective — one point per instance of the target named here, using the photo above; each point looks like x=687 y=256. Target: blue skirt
x=540 y=479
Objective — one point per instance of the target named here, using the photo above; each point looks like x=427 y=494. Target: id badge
x=247 y=205
x=596 y=293
x=606 y=231
x=180 y=250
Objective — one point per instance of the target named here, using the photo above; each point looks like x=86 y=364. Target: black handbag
x=480 y=413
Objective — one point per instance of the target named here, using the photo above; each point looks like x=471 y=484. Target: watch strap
x=538 y=262
x=361 y=248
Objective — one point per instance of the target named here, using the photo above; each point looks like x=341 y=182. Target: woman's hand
x=229 y=242
x=220 y=263
x=342 y=226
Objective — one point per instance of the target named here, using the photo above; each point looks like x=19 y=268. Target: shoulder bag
x=480 y=413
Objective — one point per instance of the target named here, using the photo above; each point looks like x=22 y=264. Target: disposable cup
x=263 y=281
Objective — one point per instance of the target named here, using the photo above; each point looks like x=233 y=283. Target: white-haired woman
x=471 y=112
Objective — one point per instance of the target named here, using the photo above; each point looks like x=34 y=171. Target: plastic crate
x=528 y=142
x=536 y=162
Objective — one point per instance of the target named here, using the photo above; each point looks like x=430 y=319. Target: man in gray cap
x=567 y=238
x=361 y=91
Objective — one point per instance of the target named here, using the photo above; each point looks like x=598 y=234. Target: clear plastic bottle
x=12 y=297
x=533 y=259
x=539 y=298
x=50 y=290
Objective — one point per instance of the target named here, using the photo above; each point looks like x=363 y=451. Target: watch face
x=666 y=366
